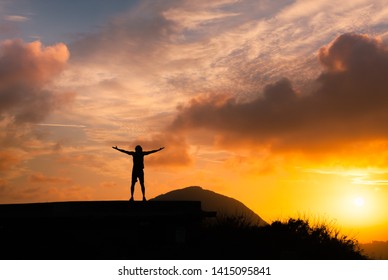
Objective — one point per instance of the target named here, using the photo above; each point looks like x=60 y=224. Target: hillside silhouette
x=376 y=250
x=162 y=229
x=211 y=201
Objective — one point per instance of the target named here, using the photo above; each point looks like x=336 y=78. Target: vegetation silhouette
x=292 y=239
x=138 y=167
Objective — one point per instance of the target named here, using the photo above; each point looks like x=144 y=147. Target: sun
x=359 y=201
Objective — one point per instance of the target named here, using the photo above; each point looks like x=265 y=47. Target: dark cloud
x=25 y=71
x=349 y=103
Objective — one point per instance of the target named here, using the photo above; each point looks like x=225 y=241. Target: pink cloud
x=26 y=69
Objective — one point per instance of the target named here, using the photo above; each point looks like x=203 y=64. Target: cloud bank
x=26 y=69
x=349 y=103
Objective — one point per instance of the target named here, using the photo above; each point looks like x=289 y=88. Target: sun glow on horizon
x=334 y=193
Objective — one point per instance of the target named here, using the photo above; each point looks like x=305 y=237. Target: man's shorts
x=137 y=173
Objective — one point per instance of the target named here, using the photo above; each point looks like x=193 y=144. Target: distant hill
x=376 y=250
x=212 y=201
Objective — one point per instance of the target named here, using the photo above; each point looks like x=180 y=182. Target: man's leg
x=134 y=180
x=141 y=179
x=132 y=189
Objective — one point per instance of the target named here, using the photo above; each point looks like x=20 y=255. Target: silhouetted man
x=138 y=166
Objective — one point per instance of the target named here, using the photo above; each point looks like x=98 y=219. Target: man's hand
x=161 y=148
x=115 y=147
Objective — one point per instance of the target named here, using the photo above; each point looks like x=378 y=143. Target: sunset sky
x=282 y=105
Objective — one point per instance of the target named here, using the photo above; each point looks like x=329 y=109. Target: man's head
x=138 y=149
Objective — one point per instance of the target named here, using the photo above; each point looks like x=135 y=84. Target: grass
x=289 y=239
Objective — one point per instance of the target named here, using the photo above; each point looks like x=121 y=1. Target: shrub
x=234 y=237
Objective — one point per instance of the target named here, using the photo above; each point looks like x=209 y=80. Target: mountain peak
x=212 y=201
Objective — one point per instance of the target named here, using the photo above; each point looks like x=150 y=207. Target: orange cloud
x=25 y=71
x=91 y=160
x=41 y=178
x=349 y=103
x=8 y=160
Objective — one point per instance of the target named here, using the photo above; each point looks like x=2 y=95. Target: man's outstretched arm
x=123 y=151
x=153 y=151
